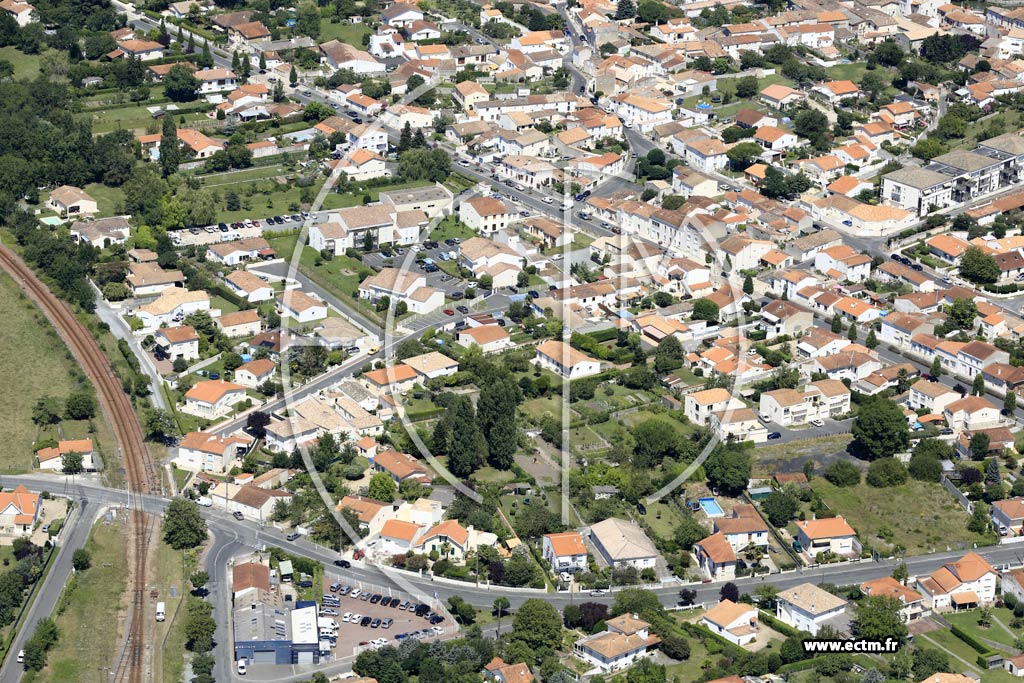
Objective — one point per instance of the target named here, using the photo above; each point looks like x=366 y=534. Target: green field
x=109 y=200
x=344 y=31
x=33 y=365
x=93 y=600
x=999 y=631
x=882 y=517
x=451 y=227
x=137 y=119
x=25 y=66
x=172 y=569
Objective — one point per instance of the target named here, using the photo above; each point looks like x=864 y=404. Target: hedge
x=604 y=335
x=776 y=625
x=727 y=648
x=425 y=414
x=975 y=644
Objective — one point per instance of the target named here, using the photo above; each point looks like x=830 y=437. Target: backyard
x=883 y=520
x=25 y=66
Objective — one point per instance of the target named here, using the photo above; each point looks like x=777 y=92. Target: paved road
x=120 y=330
x=73 y=536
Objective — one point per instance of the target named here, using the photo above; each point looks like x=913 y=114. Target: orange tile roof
x=449 y=528
x=829 y=527
x=567 y=543
x=213 y=390
x=403 y=531
x=23 y=502
x=385 y=376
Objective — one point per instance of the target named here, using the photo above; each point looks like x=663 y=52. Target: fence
x=958 y=494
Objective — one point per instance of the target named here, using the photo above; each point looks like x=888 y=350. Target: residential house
x=397 y=537
x=213 y=399
x=248 y=286
x=241 y=324
x=626 y=640
x=239 y=251
x=400 y=466
x=971 y=413
x=178 y=342
x=300 y=307
x=736 y=622
x=68 y=201
x=52 y=458
x=432 y=365
x=781 y=317
x=716 y=557
x=490 y=338
x=452 y=541
x=828 y=535
x=565 y=552
x=20 y=509
x=404 y=286
x=565 y=361
x=808 y=608
x=701 y=405
x=486 y=257
x=255 y=373
x=622 y=543
x=392 y=379
x=485 y=215
x=969 y=582
x=205 y=452
x=911 y=602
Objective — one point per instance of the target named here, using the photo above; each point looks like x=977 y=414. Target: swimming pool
x=711 y=507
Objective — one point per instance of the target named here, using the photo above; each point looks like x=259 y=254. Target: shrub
x=842 y=473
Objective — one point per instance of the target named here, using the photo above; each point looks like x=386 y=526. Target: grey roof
x=1010 y=143
x=965 y=161
x=415 y=194
x=265 y=622
x=917 y=177
x=817 y=239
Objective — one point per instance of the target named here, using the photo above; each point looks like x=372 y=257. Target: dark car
x=774 y=435
x=223 y=227
x=534 y=294
x=305 y=583
x=357 y=120
x=430 y=268
x=344 y=564
x=455 y=296
x=641 y=508
x=421 y=610
x=375 y=598
x=293 y=536
x=395 y=602
x=462 y=309
x=365 y=621
x=917 y=266
x=237 y=514
x=375 y=623
x=502 y=322
x=436 y=619
x=450 y=242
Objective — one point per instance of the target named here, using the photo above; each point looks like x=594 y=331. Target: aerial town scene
x=512 y=341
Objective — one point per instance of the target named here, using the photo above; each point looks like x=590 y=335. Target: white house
x=172 y=306
x=701 y=405
x=716 y=558
x=255 y=372
x=178 y=342
x=52 y=458
x=565 y=552
x=485 y=215
x=623 y=544
x=399 y=285
x=238 y=251
x=911 y=602
x=490 y=338
x=248 y=286
x=487 y=257
x=205 y=452
x=300 y=306
x=216 y=80
x=736 y=622
x=830 y=534
x=626 y=640
x=567 y=362
x=808 y=608
x=397 y=537
x=968 y=582
x=212 y=399
x=971 y=413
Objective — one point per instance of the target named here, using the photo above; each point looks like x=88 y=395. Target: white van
x=241 y=666
x=161 y=611
x=204 y=501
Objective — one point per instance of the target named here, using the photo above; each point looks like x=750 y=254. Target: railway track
x=138 y=462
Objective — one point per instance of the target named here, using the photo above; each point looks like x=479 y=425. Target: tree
x=537 y=625
x=811 y=124
x=158 y=424
x=669 y=355
x=496 y=415
x=199 y=625
x=978 y=385
x=979 y=445
x=199 y=579
x=780 y=507
x=925 y=462
x=705 y=309
x=961 y=313
x=655 y=440
x=837 y=323
x=81 y=560
x=646 y=672
x=1009 y=402
x=625 y=9
x=382 y=487
x=293 y=77
x=183 y=526
x=992 y=472
x=877 y=617
x=729 y=591
x=744 y=154
x=936 y=369
x=72 y=463
x=886 y=472
x=467 y=447
x=728 y=470
x=256 y=423
x=675 y=647
x=746 y=86
x=851 y=333
x=979 y=521
x=180 y=85
x=842 y=473
x=979 y=267
x=880 y=429
x=170 y=149
x=80 y=406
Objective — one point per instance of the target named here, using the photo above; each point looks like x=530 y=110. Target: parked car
x=365 y=621
x=774 y=435
x=237 y=514
x=386 y=623
x=293 y=536
x=817 y=423
x=462 y=309
x=344 y=564
x=375 y=623
x=374 y=599
x=449 y=311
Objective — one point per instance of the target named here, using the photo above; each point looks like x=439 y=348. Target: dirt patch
x=790 y=457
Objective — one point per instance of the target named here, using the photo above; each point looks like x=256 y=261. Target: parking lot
x=353 y=637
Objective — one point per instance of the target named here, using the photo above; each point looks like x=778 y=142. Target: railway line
x=138 y=463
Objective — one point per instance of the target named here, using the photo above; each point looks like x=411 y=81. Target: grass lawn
x=968 y=621
x=945 y=640
x=248 y=175
x=536 y=407
x=25 y=66
x=451 y=227
x=662 y=518
x=137 y=119
x=344 y=31
x=223 y=304
x=489 y=475
x=882 y=518
x=690 y=669
x=180 y=477
x=633 y=419
x=36 y=363
x=87 y=604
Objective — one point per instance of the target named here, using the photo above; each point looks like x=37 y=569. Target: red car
x=449 y=311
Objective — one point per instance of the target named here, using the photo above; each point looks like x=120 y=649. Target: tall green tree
x=877 y=617
x=538 y=625
x=979 y=267
x=625 y=9
x=496 y=413
x=467 y=447
x=183 y=526
x=880 y=430
x=170 y=148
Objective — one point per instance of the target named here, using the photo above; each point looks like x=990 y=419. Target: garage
x=264 y=657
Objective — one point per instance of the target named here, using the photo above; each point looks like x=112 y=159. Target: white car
x=566 y=577
x=548 y=200
x=355 y=594
x=356 y=618
x=241 y=666
x=437 y=629
x=21 y=656
x=817 y=423
x=347 y=617
x=464 y=163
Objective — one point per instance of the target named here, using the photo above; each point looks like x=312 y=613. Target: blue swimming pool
x=711 y=507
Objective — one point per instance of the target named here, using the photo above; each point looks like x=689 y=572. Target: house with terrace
x=967 y=583
x=828 y=535
x=626 y=640
x=808 y=608
x=736 y=622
